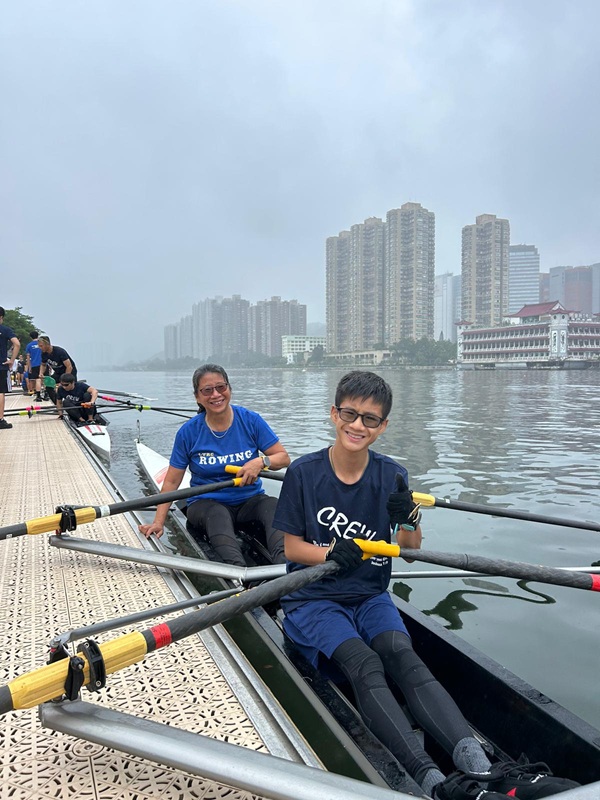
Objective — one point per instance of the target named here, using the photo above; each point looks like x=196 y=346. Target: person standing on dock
x=58 y=360
x=328 y=499
x=77 y=399
x=34 y=363
x=8 y=339
x=219 y=435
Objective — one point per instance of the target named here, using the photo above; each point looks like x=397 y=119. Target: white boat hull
x=96 y=437
x=155 y=466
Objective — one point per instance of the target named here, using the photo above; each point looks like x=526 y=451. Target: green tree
x=21 y=324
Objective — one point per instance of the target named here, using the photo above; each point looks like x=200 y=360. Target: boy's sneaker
x=38 y=397
x=460 y=786
x=4 y=424
x=526 y=781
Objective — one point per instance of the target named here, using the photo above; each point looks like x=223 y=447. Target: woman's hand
x=154 y=527
x=250 y=471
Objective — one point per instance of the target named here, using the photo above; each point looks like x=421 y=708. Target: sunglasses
x=350 y=415
x=221 y=388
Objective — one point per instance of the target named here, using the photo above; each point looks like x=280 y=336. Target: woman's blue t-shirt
x=207 y=455
x=315 y=505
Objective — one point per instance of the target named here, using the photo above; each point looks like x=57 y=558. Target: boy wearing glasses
x=349 y=491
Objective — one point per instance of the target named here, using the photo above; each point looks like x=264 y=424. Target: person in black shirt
x=77 y=399
x=8 y=340
x=57 y=359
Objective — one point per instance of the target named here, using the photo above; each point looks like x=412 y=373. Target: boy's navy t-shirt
x=75 y=395
x=55 y=360
x=315 y=505
x=6 y=334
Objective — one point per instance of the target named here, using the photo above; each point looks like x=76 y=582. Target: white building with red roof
x=537 y=336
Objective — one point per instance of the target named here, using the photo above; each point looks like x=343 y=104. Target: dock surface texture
x=46 y=591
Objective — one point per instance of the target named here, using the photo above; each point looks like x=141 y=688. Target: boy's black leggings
x=429 y=703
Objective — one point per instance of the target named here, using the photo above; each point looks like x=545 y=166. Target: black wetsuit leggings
x=429 y=703
x=218 y=523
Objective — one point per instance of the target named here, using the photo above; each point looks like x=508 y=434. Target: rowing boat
x=510 y=716
x=95 y=435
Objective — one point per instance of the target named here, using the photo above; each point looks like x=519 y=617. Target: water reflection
x=454 y=604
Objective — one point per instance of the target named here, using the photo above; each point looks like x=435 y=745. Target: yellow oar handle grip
x=378 y=548
x=423 y=499
x=52 y=522
x=48 y=682
x=231 y=468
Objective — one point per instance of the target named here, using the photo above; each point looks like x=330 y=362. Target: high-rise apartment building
x=523 y=276
x=577 y=288
x=484 y=272
x=409 y=274
x=225 y=326
x=380 y=280
x=269 y=320
x=445 y=307
x=171 y=342
x=354 y=271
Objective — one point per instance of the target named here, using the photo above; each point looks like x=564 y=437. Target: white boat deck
x=46 y=591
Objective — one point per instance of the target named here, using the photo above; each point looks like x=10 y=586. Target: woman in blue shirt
x=224 y=434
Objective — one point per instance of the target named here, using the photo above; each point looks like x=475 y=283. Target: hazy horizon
x=155 y=154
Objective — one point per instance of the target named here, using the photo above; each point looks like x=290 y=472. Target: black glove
x=346 y=553
x=403 y=511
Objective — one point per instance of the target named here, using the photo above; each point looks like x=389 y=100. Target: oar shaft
x=496 y=511
x=89 y=514
x=489 y=566
x=48 y=682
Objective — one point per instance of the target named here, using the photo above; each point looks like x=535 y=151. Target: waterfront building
x=523 y=276
x=445 y=307
x=537 y=336
x=293 y=346
x=484 y=270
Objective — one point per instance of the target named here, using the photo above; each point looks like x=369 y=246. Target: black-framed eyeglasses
x=221 y=388
x=350 y=415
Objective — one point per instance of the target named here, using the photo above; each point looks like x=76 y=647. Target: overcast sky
x=154 y=153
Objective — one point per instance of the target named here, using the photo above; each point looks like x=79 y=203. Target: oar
x=90 y=513
x=496 y=511
x=48 y=682
x=489 y=566
x=429 y=500
x=123 y=394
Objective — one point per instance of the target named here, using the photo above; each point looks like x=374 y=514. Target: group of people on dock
x=43 y=367
x=329 y=499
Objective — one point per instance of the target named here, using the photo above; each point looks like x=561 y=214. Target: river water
x=525 y=440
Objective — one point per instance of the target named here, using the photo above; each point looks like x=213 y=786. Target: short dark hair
x=2 y=312
x=205 y=369
x=359 y=385
x=33 y=334
x=67 y=377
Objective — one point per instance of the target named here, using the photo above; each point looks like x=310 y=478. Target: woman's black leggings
x=218 y=523
x=429 y=703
